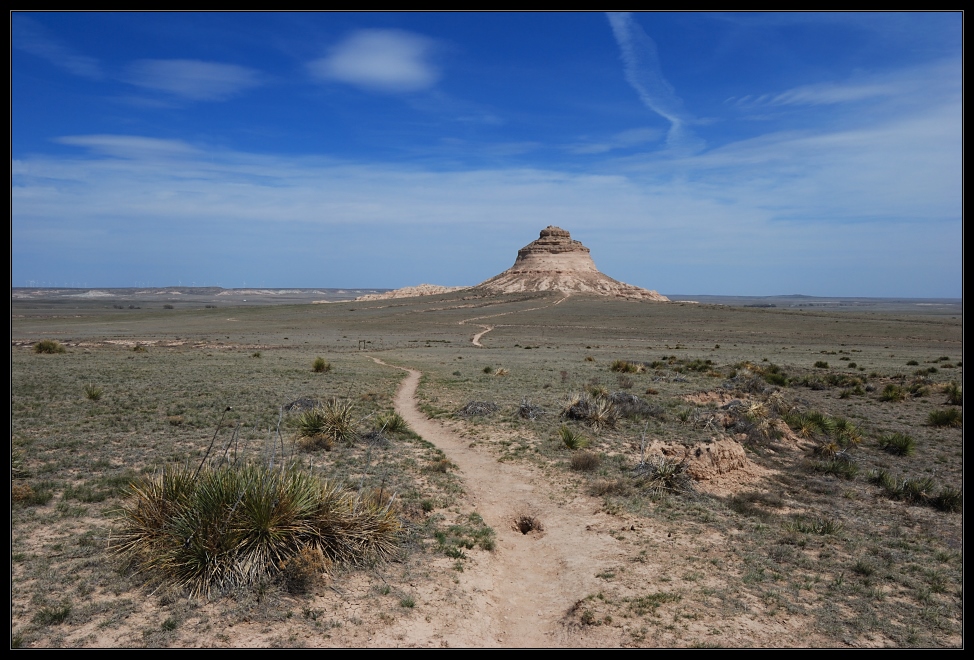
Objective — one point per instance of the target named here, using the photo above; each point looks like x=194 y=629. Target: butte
x=555 y=262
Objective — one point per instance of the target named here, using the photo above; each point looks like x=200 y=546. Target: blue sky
x=735 y=154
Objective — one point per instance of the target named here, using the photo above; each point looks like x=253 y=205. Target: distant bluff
x=555 y=262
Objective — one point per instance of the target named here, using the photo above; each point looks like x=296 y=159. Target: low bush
x=48 y=346
x=92 y=392
x=320 y=366
x=821 y=365
x=955 y=394
x=322 y=426
x=660 y=475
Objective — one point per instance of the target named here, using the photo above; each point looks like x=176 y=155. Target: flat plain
x=525 y=521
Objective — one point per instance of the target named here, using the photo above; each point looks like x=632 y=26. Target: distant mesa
x=554 y=262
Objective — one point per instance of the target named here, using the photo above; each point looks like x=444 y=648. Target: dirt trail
x=527 y=585
x=487 y=328
x=476 y=337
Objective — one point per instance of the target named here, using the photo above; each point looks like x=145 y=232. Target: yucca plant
x=572 y=438
x=324 y=425
x=950 y=417
x=92 y=392
x=661 y=475
x=236 y=525
x=893 y=392
x=949 y=499
x=955 y=394
x=392 y=423
x=899 y=444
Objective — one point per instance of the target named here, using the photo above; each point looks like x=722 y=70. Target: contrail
x=644 y=73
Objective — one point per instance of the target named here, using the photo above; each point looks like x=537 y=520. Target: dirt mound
x=555 y=262
x=705 y=460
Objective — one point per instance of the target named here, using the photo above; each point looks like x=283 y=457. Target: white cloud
x=32 y=37
x=192 y=79
x=380 y=60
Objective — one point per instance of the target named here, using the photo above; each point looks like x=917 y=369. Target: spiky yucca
x=324 y=425
x=232 y=526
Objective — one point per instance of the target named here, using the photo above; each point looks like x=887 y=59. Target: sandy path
x=528 y=584
x=476 y=337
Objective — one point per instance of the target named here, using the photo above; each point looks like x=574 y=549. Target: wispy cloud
x=623 y=140
x=390 y=61
x=914 y=84
x=192 y=79
x=129 y=146
x=30 y=36
x=644 y=73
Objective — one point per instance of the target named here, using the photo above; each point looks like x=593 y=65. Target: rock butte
x=554 y=262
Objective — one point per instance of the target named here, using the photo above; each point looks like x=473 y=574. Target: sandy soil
x=531 y=580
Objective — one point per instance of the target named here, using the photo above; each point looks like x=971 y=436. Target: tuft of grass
x=585 y=461
x=951 y=417
x=48 y=346
x=821 y=365
x=139 y=348
x=52 y=615
x=572 y=438
x=320 y=366
x=626 y=367
x=899 y=444
x=92 y=392
x=222 y=528
x=407 y=601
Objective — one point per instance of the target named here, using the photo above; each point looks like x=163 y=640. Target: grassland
x=800 y=549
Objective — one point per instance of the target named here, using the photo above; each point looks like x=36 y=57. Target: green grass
x=572 y=438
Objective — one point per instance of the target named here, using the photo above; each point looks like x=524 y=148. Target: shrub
x=626 y=367
x=168 y=306
x=48 y=346
x=92 y=392
x=320 y=366
x=912 y=363
x=139 y=348
x=899 y=444
x=232 y=526
x=585 y=461
x=572 y=438
x=950 y=417
x=893 y=392
x=821 y=365
x=488 y=369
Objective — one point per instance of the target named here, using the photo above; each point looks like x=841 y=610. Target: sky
x=708 y=153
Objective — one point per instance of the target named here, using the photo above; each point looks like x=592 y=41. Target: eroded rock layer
x=555 y=262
